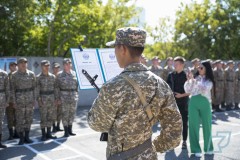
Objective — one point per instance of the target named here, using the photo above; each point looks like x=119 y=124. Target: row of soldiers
x=227 y=80
x=55 y=93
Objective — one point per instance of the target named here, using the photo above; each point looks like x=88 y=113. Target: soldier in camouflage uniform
x=168 y=68
x=23 y=84
x=119 y=111
x=156 y=68
x=68 y=95
x=229 y=85
x=4 y=95
x=58 y=112
x=218 y=74
x=10 y=110
x=237 y=88
x=46 y=95
x=195 y=63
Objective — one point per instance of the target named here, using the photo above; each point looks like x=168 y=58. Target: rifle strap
x=142 y=97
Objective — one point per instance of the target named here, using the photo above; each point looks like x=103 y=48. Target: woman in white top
x=199 y=108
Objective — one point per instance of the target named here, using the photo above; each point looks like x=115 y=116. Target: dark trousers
x=184 y=113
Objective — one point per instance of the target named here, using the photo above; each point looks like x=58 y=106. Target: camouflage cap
x=12 y=63
x=45 y=63
x=195 y=60
x=230 y=62
x=67 y=60
x=22 y=59
x=129 y=36
x=218 y=61
x=56 y=65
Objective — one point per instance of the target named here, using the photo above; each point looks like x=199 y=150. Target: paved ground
x=86 y=145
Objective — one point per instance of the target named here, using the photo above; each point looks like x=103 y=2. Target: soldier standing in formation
x=237 y=88
x=46 y=97
x=218 y=74
x=10 y=110
x=58 y=112
x=156 y=68
x=4 y=100
x=168 y=68
x=23 y=84
x=229 y=85
x=195 y=63
x=119 y=111
x=68 y=95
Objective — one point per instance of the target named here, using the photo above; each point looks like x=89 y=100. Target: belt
x=68 y=90
x=24 y=90
x=46 y=92
x=132 y=152
x=230 y=80
x=2 y=90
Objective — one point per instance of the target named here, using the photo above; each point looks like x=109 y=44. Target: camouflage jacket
x=46 y=87
x=23 y=87
x=157 y=70
x=4 y=88
x=67 y=86
x=118 y=111
x=229 y=79
x=219 y=78
x=237 y=78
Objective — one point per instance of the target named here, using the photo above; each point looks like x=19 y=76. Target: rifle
x=104 y=135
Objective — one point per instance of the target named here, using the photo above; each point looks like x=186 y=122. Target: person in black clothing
x=176 y=81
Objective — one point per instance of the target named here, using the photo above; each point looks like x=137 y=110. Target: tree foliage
x=51 y=27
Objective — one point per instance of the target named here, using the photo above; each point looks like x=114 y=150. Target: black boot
x=10 y=134
x=49 y=134
x=70 y=131
x=1 y=145
x=15 y=134
x=44 y=138
x=27 y=139
x=21 y=141
x=66 y=134
x=54 y=129
x=58 y=127
x=236 y=106
x=228 y=107
x=217 y=108
x=223 y=105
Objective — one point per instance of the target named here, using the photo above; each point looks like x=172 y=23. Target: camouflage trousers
x=59 y=113
x=24 y=116
x=47 y=114
x=68 y=112
x=237 y=93
x=11 y=116
x=219 y=96
x=2 y=112
x=229 y=93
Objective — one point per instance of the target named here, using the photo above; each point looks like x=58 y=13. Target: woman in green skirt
x=200 y=108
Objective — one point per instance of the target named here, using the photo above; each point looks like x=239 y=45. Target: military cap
x=218 y=61
x=169 y=59
x=22 y=59
x=56 y=65
x=12 y=63
x=195 y=60
x=67 y=60
x=230 y=62
x=129 y=36
x=45 y=63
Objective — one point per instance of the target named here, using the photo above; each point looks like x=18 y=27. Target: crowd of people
x=226 y=78
x=56 y=94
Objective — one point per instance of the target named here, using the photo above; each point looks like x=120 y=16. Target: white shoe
x=209 y=153
x=199 y=155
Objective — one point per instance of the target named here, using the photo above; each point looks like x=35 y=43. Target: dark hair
x=180 y=59
x=209 y=73
x=135 y=51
